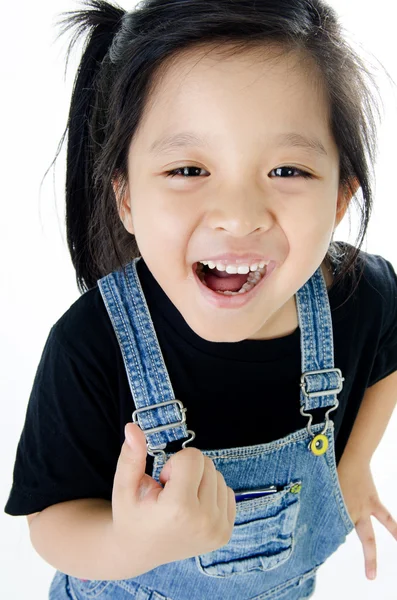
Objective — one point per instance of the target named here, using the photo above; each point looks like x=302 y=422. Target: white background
x=39 y=283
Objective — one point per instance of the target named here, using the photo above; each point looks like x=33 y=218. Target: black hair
x=122 y=57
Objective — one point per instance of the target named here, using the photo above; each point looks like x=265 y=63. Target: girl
x=213 y=148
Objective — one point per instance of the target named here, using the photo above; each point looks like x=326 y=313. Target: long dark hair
x=122 y=56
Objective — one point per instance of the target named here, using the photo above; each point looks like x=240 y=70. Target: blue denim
x=280 y=540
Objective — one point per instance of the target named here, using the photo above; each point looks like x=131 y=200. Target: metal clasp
x=320 y=393
x=324 y=392
x=159 y=450
x=308 y=426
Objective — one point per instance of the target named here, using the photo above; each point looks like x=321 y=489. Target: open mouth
x=229 y=284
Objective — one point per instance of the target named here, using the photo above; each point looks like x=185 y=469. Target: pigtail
x=101 y=21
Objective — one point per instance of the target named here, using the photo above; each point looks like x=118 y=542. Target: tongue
x=220 y=281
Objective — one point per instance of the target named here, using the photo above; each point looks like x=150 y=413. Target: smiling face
x=237 y=196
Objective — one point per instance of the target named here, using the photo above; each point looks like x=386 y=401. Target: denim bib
x=279 y=539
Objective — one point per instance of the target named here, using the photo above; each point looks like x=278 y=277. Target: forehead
x=255 y=87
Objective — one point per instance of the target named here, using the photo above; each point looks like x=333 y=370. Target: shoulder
x=85 y=331
x=381 y=289
x=379 y=279
x=375 y=275
x=376 y=292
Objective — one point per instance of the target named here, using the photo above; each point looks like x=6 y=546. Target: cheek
x=162 y=226
x=314 y=217
x=308 y=233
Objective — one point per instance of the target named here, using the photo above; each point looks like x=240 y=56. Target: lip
x=222 y=301
x=238 y=259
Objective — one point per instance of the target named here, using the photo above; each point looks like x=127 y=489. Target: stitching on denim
x=246 y=452
x=157 y=353
x=347 y=521
x=132 y=345
x=148 y=348
x=144 y=302
x=281 y=589
x=109 y=293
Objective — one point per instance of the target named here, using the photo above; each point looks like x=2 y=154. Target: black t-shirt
x=236 y=394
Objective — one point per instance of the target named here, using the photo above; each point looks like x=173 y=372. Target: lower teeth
x=252 y=281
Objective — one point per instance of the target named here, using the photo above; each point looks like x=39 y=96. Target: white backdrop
x=39 y=283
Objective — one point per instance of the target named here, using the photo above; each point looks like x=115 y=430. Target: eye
x=185 y=170
x=287 y=169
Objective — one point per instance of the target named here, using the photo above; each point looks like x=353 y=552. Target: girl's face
x=237 y=196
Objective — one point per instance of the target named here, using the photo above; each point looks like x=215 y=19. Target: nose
x=240 y=213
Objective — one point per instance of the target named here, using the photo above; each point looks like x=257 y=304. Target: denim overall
x=279 y=540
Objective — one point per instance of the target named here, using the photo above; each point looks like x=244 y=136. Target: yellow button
x=319 y=444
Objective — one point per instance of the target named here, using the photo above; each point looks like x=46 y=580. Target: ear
x=345 y=194
x=123 y=203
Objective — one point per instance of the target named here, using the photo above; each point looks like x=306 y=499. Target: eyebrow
x=187 y=139
x=297 y=140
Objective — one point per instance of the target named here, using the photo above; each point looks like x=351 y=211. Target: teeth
x=232 y=269
x=252 y=280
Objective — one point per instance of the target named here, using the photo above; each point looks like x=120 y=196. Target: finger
x=367 y=537
x=208 y=489
x=383 y=515
x=222 y=493
x=131 y=463
x=231 y=506
x=187 y=467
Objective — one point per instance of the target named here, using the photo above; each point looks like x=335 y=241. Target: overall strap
x=159 y=414
x=320 y=380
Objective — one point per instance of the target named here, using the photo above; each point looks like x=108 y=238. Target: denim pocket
x=262 y=537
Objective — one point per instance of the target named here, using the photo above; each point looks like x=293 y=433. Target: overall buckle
x=159 y=450
x=320 y=393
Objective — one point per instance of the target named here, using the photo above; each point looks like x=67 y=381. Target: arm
x=354 y=473
x=372 y=419
x=75 y=538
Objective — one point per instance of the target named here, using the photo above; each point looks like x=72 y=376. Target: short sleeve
x=69 y=445
x=385 y=361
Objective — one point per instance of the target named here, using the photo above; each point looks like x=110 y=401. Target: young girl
x=203 y=417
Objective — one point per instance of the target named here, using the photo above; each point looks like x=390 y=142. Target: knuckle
x=374 y=501
x=371 y=563
x=209 y=463
x=195 y=452
x=180 y=513
x=191 y=453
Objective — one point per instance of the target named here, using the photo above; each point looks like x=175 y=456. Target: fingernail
x=372 y=574
x=128 y=437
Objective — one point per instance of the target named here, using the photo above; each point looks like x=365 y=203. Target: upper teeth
x=232 y=269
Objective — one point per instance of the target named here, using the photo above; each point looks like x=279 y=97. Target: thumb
x=131 y=464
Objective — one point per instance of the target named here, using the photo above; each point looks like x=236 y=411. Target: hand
x=362 y=501
x=193 y=513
